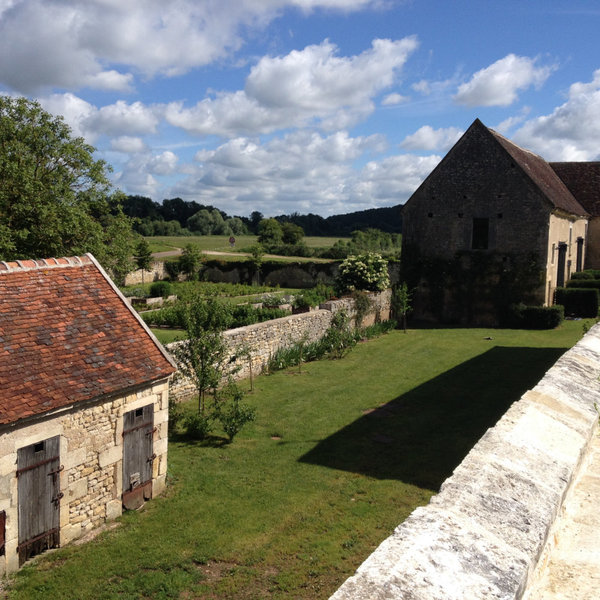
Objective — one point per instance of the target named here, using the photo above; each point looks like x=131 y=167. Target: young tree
x=190 y=260
x=143 y=256
x=201 y=357
x=55 y=198
x=401 y=302
x=292 y=234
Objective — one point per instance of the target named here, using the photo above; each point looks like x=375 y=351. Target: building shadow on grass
x=423 y=435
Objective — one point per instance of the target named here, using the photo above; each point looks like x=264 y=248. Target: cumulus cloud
x=142 y=172
x=394 y=99
x=128 y=144
x=571 y=132
x=499 y=84
x=69 y=43
x=302 y=171
x=310 y=86
x=427 y=138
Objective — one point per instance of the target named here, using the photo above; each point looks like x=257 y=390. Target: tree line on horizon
x=175 y=216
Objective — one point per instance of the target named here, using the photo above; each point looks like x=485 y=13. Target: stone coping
x=481 y=537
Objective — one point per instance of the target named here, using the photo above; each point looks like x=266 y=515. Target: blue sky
x=323 y=106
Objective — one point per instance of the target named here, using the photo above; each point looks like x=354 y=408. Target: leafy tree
x=201 y=357
x=291 y=233
x=257 y=252
x=363 y=272
x=255 y=218
x=55 y=199
x=143 y=256
x=190 y=260
x=270 y=232
x=402 y=302
x=231 y=411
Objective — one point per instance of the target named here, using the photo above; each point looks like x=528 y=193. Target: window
x=481 y=229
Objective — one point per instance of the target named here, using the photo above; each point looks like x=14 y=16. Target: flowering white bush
x=364 y=272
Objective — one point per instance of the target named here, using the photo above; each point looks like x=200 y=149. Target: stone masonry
x=91 y=453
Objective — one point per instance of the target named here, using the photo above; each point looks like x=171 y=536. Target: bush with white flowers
x=363 y=272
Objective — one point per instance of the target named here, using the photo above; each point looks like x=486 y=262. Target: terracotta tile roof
x=67 y=335
x=542 y=174
x=583 y=179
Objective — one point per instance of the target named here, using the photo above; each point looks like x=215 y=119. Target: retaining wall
x=262 y=340
x=482 y=536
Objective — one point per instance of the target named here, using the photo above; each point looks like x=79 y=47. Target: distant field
x=220 y=243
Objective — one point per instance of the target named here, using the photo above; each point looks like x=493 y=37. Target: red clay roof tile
x=67 y=335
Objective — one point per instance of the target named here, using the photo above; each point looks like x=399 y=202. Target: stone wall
x=91 y=452
x=484 y=533
x=156 y=272
x=262 y=340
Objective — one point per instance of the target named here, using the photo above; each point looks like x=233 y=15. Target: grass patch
x=338 y=456
x=166 y=336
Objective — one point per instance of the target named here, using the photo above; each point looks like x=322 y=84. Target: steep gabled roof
x=542 y=174
x=583 y=180
x=67 y=335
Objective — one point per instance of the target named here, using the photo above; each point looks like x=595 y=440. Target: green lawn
x=339 y=455
x=220 y=243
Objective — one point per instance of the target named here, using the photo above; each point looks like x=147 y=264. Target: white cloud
x=69 y=43
x=394 y=99
x=571 y=132
x=302 y=171
x=499 y=84
x=140 y=174
x=75 y=111
x=427 y=138
x=310 y=86
x=123 y=119
x=128 y=145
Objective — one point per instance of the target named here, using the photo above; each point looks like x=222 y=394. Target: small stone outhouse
x=83 y=405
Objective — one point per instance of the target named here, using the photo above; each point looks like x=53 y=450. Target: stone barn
x=84 y=405
x=491 y=226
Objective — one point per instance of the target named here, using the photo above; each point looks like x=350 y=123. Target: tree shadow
x=423 y=435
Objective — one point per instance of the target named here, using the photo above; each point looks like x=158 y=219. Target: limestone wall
x=483 y=534
x=91 y=452
x=262 y=340
x=157 y=271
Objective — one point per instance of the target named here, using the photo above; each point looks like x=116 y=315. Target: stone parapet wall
x=91 y=454
x=156 y=272
x=262 y=340
x=484 y=533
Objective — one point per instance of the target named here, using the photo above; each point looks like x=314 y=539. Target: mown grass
x=220 y=243
x=339 y=455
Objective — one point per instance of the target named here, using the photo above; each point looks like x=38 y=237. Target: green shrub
x=197 y=425
x=542 y=317
x=587 y=274
x=378 y=329
x=231 y=412
x=584 y=283
x=363 y=272
x=578 y=302
x=161 y=289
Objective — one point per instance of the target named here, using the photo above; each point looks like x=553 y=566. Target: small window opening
x=461 y=215
x=430 y=215
x=139 y=412
x=39 y=447
x=500 y=215
x=481 y=230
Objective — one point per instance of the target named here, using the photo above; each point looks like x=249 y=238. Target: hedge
x=536 y=317
x=578 y=302
x=587 y=274
x=584 y=283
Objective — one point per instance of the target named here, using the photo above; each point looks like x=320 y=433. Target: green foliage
x=401 y=302
x=538 y=317
x=201 y=355
x=368 y=240
x=587 y=274
x=363 y=272
x=584 y=283
x=161 y=289
x=198 y=425
x=269 y=232
x=190 y=260
x=363 y=305
x=143 y=254
x=578 y=302
x=291 y=234
x=231 y=412
x=55 y=199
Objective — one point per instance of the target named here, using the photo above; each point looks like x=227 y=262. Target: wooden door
x=38 y=473
x=138 y=431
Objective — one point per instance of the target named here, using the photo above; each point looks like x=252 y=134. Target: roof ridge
x=44 y=263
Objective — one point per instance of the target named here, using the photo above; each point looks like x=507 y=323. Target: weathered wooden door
x=38 y=473
x=138 y=431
